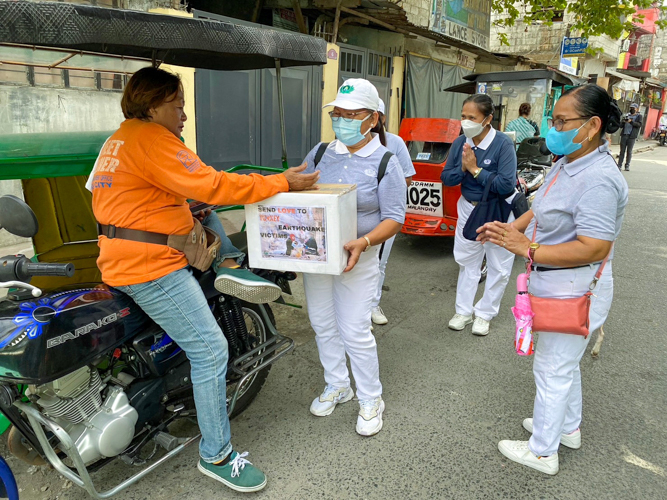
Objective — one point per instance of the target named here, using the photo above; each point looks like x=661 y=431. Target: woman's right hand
x=300 y=182
x=355 y=247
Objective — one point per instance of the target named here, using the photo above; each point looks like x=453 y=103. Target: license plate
x=425 y=198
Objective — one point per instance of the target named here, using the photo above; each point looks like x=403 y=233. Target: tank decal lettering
x=36 y=315
x=107 y=320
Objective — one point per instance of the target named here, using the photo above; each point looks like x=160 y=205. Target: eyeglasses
x=558 y=124
x=349 y=116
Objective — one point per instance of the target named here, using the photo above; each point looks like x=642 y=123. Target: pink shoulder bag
x=563 y=315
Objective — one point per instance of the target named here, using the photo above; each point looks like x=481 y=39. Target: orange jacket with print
x=143 y=178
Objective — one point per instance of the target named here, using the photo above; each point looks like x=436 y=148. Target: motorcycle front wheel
x=257 y=327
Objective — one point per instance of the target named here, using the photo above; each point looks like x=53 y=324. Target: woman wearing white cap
x=339 y=307
x=397 y=146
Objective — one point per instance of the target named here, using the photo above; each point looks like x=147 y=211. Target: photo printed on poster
x=293 y=233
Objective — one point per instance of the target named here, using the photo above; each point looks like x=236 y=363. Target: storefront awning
x=181 y=41
x=625 y=82
x=655 y=83
x=557 y=79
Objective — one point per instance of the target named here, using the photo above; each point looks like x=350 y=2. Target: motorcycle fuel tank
x=43 y=338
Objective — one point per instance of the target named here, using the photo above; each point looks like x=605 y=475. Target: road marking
x=633 y=459
x=657 y=162
x=648 y=192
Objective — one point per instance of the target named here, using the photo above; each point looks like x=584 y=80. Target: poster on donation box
x=292 y=233
x=303 y=231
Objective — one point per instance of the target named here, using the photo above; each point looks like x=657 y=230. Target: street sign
x=575 y=47
x=566 y=68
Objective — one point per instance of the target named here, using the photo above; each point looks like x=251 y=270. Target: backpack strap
x=383 y=165
x=381 y=170
x=320 y=152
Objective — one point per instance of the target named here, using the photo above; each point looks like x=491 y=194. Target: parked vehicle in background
x=662 y=135
x=431 y=209
x=533 y=163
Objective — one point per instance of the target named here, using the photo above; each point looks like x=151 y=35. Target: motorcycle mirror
x=17 y=217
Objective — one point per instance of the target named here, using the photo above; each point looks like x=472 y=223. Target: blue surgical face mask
x=562 y=143
x=348 y=132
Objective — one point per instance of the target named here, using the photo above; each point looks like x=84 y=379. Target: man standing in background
x=632 y=122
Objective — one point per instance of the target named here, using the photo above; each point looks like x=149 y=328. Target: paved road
x=451 y=396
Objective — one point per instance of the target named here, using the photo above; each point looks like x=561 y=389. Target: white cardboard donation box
x=303 y=231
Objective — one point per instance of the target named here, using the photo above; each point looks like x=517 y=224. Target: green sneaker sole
x=249 y=291
x=242 y=489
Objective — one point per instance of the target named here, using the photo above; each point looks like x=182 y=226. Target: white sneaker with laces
x=480 y=327
x=369 y=421
x=519 y=452
x=378 y=317
x=459 y=322
x=572 y=440
x=325 y=404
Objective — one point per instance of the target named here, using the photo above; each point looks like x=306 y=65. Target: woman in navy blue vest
x=473 y=160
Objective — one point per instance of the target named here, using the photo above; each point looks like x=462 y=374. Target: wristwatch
x=368 y=247
x=474 y=176
x=531 y=250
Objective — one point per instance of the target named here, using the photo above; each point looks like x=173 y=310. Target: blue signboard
x=575 y=47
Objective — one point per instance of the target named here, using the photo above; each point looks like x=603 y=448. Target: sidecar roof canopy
x=88 y=31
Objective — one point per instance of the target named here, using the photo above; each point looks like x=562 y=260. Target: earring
x=590 y=139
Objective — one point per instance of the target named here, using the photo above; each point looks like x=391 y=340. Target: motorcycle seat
x=206 y=282
x=240 y=241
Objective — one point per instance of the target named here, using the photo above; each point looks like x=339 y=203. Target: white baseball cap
x=381 y=107
x=356 y=93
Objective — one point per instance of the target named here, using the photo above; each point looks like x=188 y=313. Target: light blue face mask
x=348 y=132
x=562 y=143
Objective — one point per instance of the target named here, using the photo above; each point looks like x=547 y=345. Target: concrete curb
x=637 y=151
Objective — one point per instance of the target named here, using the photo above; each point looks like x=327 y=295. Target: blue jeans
x=176 y=303
x=228 y=250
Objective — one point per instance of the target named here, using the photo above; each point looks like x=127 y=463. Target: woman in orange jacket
x=143 y=179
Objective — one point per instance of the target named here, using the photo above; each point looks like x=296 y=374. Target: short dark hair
x=147 y=89
x=525 y=109
x=593 y=100
x=483 y=102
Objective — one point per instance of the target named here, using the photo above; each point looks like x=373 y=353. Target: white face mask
x=472 y=129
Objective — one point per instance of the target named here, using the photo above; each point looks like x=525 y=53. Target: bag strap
x=383 y=165
x=320 y=152
x=598 y=274
x=487 y=188
x=594 y=283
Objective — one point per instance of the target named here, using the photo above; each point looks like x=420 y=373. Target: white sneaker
x=480 y=327
x=519 y=452
x=326 y=403
x=369 y=421
x=570 y=440
x=378 y=317
x=459 y=322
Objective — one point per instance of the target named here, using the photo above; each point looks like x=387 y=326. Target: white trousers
x=386 y=250
x=469 y=255
x=339 y=308
x=558 y=400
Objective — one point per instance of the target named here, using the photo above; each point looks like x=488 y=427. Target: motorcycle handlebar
x=46 y=269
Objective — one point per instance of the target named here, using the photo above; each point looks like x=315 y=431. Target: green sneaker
x=238 y=473
x=246 y=285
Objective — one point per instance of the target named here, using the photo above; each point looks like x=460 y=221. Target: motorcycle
x=85 y=374
x=662 y=135
x=533 y=164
